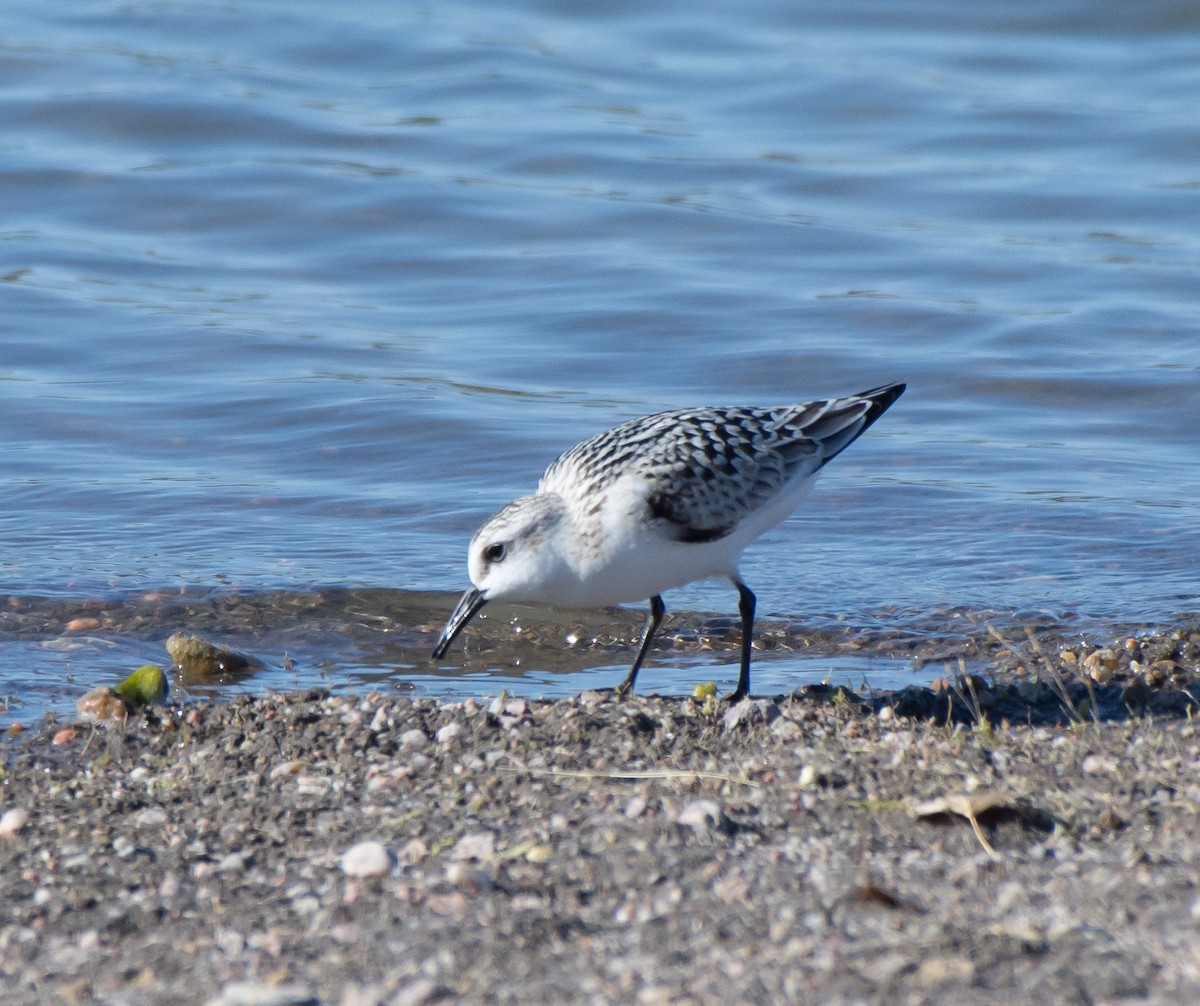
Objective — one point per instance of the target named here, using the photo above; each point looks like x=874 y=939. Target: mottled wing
x=708 y=469
x=722 y=464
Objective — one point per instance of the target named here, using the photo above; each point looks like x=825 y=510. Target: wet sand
x=309 y=848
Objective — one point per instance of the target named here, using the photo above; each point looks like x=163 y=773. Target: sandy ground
x=814 y=848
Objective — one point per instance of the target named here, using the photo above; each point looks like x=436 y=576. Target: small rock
x=418 y=993
x=367 y=859
x=258 y=994
x=83 y=624
x=941 y=970
x=151 y=817
x=750 y=711
x=102 y=705
x=360 y=995
x=411 y=739
x=312 y=785
x=473 y=879
x=12 y=821
x=447 y=734
x=234 y=861
x=287 y=768
x=1100 y=665
x=480 y=846
x=1095 y=764
x=705 y=815
x=200 y=660
x=786 y=729
x=414 y=851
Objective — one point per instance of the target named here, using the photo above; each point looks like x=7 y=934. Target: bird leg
x=746 y=601
x=654 y=618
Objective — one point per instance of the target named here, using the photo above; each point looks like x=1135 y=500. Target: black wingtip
x=881 y=400
x=885 y=394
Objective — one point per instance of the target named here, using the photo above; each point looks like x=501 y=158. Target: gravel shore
x=362 y=850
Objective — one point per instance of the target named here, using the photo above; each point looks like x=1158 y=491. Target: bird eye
x=494 y=552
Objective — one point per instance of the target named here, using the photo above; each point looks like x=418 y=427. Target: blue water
x=294 y=294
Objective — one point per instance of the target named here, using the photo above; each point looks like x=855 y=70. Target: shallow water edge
x=354 y=641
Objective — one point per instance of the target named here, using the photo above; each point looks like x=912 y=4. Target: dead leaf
x=969 y=806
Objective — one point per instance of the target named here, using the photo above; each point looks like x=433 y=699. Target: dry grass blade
x=1059 y=684
x=628 y=775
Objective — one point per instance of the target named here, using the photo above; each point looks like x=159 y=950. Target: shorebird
x=656 y=503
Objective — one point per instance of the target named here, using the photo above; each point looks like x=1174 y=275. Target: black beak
x=468 y=605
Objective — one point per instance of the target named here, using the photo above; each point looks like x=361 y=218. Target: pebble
x=942 y=970
x=411 y=739
x=12 y=821
x=1095 y=764
x=151 y=817
x=199 y=659
x=287 y=768
x=479 y=846
x=368 y=859
x=510 y=712
x=1100 y=664
x=786 y=729
x=750 y=711
x=702 y=815
x=423 y=990
x=415 y=850
x=312 y=785
x=235 y=861
x=258 y=994
x=474 y=879
x=448 y=734
x=102 y=705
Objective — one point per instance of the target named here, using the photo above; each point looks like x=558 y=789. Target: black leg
x=654 y=618
x=746 y=607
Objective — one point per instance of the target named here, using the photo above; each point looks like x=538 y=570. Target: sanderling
x=658 y=502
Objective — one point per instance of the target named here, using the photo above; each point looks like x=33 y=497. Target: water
x=294 y=295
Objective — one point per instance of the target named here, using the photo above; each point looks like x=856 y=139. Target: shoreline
x=359 y=639
x=370 y=849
